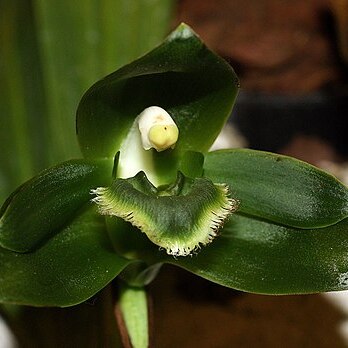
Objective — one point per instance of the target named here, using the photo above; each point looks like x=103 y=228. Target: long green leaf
x=80 y=43
x=263 y=257
x=44 y=204
x=279 y=188
x=70 y=268
x=22 y=102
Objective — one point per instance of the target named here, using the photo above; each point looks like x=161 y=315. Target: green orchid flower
x=149 y=192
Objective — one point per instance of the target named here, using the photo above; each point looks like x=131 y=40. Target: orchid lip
x=180 y=219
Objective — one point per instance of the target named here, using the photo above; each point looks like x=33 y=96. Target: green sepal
x=44 y=204
x=70 y=268
x=279 y=188
x=180 y=217
x=183 y=76
x=263 y=257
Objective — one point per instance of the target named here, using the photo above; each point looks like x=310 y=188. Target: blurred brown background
x=287 y=46
x=292 y=60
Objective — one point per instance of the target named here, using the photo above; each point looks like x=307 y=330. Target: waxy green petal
x=194 y=85
x=279 y=188
x=68 y=269
x=264 y=257
x=180 y=218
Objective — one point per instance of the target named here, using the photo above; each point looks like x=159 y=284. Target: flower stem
x=132 y=315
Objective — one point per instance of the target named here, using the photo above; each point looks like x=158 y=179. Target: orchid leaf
x=195 y=86
x=279 y=188
x=44 y=204
x=68 y=269
x=263 y=257
x=22 y=107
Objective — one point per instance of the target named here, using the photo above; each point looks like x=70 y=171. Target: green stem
x=133 y=307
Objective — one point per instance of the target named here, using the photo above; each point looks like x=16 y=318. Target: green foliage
x=50 y=53
x=289 y=235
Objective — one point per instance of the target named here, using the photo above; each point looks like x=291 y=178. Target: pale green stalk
x=133 y=305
